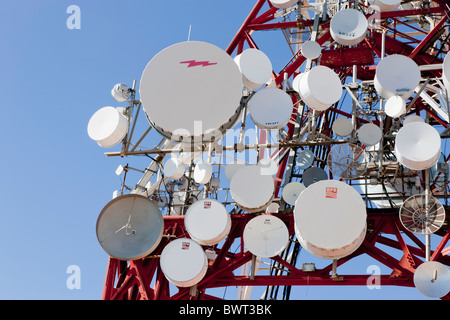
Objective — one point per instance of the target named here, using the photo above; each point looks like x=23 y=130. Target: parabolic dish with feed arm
x=422 y=215
x=330 y=219
x=313 y=175
x=292 y=191
x=432 y=279
x=129 y=227
x=191 y=91
x=305 y=159
x=347 y=161
x=266 y=236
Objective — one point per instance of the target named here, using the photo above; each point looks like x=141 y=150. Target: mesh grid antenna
x=347 y=161
x=422 y=216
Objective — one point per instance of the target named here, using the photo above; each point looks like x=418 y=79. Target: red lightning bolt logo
x=193 y=63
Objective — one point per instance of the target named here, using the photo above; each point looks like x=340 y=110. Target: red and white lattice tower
x=415 y=29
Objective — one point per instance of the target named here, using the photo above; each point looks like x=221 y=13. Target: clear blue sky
x=55 y=180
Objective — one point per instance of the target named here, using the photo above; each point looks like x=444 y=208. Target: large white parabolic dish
x=183 y=262
x=396 y=75
x=129 y=227
x=330 y=219
x=191 y=89
x=265 y=236
x=270 y=108
x=252 y=190
x=107 y=126
x=417 y=146
x=320 y=87
x=255 y=67
x=348 y=27
x=207 y=221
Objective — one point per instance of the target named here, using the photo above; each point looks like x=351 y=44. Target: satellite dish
x=422 y=217
x=347 y=161
x=348 y=27
x=174 y=168
x=208 y=87
x=270 y=108
x=313 y=175
x=446 y=72
x=396 y=75
x=412 y=118
x=305 y=159
x=107 y=126
x=183 y=262
x=251 y=190
x=432 y=279
x=265 y=236
x=320 y=87
x=232 y=168
x=207 y=221
x=283 y=4
x=255 y=67
x=162 y=201
x=311 y=50
x=370 y=134
x=292 y=191
x=417 y=146
x=129 y=227
x=120 y=92
x=202 y=172
x=342 y=127
x=385 y=5
x=296 y=82
x=330 y=219
x=395 y=106
x=268 y=166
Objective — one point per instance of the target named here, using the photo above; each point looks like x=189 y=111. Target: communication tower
x=340 y=152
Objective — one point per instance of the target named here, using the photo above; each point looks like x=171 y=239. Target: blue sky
x=55 y=180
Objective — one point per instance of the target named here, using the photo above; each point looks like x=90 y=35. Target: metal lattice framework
x=397 y=32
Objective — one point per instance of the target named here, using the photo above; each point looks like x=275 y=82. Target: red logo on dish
x=207 y=204
x=185 y=245
x=331 y=193
x=193 y=63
